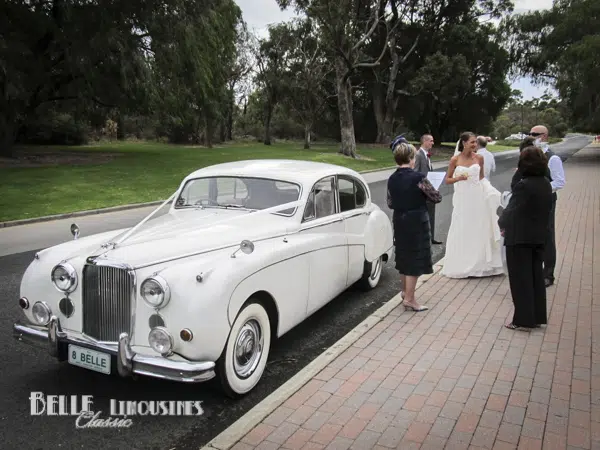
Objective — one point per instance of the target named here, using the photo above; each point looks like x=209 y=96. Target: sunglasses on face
x=536 y=134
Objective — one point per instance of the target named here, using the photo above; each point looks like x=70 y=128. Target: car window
x=244 y=192
x=321 y=201
x=352 y=194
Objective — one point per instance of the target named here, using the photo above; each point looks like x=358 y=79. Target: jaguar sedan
x=240 y=253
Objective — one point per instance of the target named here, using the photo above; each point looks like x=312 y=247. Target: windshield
x=238 y=192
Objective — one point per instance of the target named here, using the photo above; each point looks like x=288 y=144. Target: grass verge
x=111 y=174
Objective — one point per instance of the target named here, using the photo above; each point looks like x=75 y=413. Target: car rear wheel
x=243 y=362
x=371 y=274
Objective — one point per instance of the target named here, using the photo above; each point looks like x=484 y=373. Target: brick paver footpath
x=454 y=377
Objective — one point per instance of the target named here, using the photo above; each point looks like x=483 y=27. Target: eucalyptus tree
x=458 y=73
x=347 y=26
x=271 y=58
x=307 y=75
x=238 y=77
x=561 y=46
x=193 y=48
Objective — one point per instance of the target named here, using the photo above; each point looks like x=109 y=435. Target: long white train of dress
x=474 y=243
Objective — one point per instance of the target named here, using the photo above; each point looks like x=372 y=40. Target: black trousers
x=526 y=279
x=550 y=247
x=431 y=212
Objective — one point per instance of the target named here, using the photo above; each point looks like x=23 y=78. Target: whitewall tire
x=372 y=274
x=243 y=361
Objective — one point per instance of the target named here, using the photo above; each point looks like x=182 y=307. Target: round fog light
x=24 y=303
x=160 y=340
x=41 y=313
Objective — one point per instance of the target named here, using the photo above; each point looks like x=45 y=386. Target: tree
x=61 y=50
x=193 y=49
x=307 y=73
x=271 y=62
x=459 y=80
x=561 y=46
x=238 y=74
x=346 y=26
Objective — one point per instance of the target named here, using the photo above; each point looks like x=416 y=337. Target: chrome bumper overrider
x=128 y=362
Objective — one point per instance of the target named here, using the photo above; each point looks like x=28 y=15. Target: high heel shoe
x=412 y=308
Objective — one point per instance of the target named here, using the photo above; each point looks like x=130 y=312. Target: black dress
x=407 y=194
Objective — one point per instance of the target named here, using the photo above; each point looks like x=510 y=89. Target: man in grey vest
x=423 y=165
x=557 y=180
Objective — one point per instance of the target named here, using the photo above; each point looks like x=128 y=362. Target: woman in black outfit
x=524 y=225
x=406 y=195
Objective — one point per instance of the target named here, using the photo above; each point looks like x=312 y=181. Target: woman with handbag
x=407 y=193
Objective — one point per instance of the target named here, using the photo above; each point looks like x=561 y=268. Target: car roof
x=302 y=172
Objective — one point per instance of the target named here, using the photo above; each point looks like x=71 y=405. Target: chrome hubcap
x=375 y=269
x=248 y=349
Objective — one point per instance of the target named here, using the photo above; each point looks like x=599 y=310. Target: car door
x=353 y=201
x=329 y=256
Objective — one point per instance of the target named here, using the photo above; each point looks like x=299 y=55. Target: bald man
x=557 y=180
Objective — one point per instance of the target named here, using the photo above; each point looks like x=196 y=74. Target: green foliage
x=521 y=116
x=562 y=45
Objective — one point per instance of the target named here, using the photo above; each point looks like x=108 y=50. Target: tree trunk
x=268 y=115
x=345 y=106
x=229 y=135
x=120 y=126
x=208 y=132
x=307 y=128
x=8 y=129
x=384 y=115
x=222 y=131
x=378 y=109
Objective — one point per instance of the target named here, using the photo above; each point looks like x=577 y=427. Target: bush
x=55 y=129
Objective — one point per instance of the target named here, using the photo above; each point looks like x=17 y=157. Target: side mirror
x=246 y=247
x=74 y=230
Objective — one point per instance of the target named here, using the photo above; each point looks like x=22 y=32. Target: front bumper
x=56 y=341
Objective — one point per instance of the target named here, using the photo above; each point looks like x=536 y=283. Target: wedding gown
x=474 y=243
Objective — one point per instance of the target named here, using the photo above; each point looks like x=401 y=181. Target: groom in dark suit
x=423 y=165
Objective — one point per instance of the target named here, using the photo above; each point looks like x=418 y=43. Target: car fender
x=379 y=234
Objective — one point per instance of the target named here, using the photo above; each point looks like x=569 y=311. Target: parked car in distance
x=243 y=252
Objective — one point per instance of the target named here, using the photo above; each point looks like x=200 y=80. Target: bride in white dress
x=474 y=243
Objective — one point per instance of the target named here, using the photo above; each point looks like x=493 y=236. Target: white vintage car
x=243 y=252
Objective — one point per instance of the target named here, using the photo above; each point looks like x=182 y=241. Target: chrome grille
x=107 y=293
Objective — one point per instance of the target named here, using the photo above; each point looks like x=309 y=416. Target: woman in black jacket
x=407 y=193
x=524 y=225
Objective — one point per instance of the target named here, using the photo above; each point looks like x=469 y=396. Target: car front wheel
x=245 y=357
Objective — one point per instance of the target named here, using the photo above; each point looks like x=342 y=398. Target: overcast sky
x=258 y=14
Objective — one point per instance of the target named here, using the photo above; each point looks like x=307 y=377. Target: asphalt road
x=25 y=370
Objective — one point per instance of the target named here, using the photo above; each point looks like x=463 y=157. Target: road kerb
x=230 y=436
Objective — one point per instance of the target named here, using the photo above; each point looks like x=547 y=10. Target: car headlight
x=64 y=277
x=41 y=313
x=155 y=291
x=160 y=340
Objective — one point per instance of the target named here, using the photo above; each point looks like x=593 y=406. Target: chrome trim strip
x=317 y=225
x=214 y=249
x=356 y=214
x=128 y=362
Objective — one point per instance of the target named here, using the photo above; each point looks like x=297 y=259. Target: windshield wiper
x=232 y=205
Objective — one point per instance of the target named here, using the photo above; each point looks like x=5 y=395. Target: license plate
x=89 y=359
